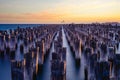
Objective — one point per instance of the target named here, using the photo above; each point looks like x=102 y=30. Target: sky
x=55 y=11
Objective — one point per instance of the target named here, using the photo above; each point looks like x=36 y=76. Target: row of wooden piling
x=58 y=62
x=33 y=44
x=98 y=45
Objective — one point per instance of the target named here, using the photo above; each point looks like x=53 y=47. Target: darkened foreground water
x=5 y=69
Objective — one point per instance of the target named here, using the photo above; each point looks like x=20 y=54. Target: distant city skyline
x=55 y=11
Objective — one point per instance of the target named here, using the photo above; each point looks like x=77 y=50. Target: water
x=5 y=69
x=14 y=26
x=73 y=72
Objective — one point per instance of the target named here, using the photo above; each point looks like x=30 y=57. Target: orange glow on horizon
x=77 y=11
x=56 y=18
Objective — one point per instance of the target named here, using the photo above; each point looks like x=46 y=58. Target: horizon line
x=65 y=23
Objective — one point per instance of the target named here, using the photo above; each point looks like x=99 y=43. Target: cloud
x=67 y=13
x=31 y=17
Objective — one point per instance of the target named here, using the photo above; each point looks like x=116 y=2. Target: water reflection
x=5 y=69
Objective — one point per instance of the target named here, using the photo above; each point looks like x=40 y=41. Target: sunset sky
x=54 y=11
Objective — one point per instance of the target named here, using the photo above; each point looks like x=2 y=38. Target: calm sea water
x=14 y=26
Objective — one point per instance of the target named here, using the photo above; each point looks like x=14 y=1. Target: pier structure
x=58 y=62
x=13 y=46
x=99 y=47
x=2 y=52
x=7 y=43
x=34 y=44
x=18 y=70
x=97 y=44
x=75 y=43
